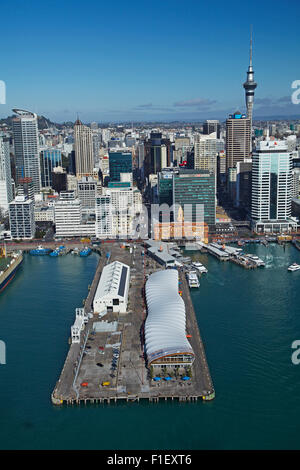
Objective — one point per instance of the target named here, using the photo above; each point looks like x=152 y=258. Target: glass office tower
x=50 y=158
x=119 y=162
x=195 y=189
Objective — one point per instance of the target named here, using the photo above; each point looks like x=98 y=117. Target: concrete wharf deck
x=130 y=380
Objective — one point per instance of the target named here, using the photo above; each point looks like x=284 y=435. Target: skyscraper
x=243 y=185
x=25 y=188
x=182 y=145
x=237 y=139
x=205 y=152
x=50 y=158
x=250 y=86
x=59 y=179
x=210 y=126
x=119 y=162
x=84 y=160
x=195 y=192
x=157 y=154
x=26 y=143
x=6 y=191
x=271 y=186
x=21 y=218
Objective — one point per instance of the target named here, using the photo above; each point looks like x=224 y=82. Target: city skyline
x=121 y=64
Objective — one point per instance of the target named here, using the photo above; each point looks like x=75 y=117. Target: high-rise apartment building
x=6 y=189
x=237 y=139
x=271 y=186
x=295 y=182
x=21 y=218
x=26 y=144
x=84 y=160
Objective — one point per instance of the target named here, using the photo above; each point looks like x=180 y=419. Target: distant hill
x=43 y=123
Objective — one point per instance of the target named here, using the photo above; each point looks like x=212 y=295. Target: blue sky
x=141 y=60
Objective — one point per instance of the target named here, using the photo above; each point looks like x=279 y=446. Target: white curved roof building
x=165 y=326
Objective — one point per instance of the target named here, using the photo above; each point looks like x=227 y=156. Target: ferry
x=85 y=252
x=8 y=268
x=200 y=267
x=294 y=267
x=39 y=251
x=256 y=260
x=193 y=279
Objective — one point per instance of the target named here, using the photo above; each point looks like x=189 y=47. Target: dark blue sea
x=248 y=320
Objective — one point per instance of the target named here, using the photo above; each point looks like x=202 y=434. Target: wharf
x=131 y=380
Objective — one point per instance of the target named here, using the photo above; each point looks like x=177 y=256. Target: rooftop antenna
x=251 y=41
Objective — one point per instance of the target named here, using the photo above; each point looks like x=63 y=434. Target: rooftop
x=165 y=326
x=113 y=280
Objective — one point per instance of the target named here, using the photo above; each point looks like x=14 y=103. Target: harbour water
x=248 y=320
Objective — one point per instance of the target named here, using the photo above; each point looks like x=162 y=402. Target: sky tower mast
x=250 y=86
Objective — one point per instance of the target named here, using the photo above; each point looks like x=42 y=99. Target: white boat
x=193 y=279
x=256 y=260
x=294 y=267
x=200 y=267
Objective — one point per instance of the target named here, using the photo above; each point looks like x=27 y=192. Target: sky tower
x=250 y=86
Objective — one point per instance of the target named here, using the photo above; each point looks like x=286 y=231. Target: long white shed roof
x=114 y=278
